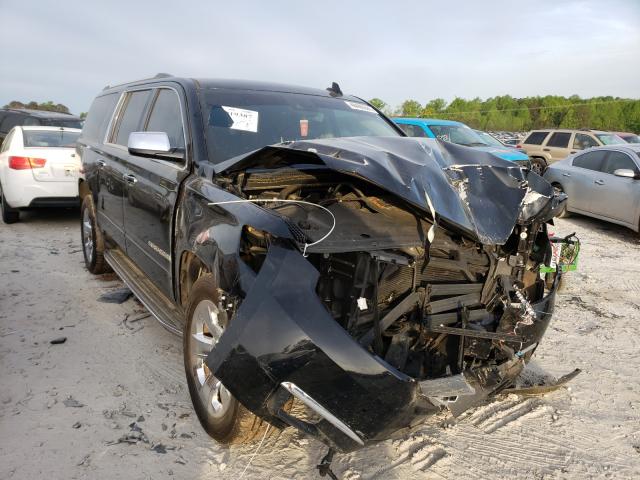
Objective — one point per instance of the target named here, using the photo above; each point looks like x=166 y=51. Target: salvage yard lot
x=112 y=402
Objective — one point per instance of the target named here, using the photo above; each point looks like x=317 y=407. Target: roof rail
x=157 y=75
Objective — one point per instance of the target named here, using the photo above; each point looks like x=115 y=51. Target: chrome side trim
x=301 y=395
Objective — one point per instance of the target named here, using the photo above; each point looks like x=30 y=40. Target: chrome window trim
x=154 y=91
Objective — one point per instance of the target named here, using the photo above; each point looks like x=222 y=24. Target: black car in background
x=306 y=249
x=11 y=117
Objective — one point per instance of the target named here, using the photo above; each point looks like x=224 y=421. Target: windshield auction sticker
x=359 y=106
x=245 y=120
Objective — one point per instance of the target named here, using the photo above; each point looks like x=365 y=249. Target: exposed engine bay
x=379 y=280
x=429 y=308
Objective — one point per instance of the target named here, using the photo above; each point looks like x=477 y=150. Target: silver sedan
x=601 y=182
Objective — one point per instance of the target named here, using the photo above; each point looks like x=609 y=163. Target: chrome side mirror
x=154 y=145
x=625 y=172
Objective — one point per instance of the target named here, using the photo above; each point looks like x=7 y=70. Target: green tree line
x=48 y=106
x=520 y=114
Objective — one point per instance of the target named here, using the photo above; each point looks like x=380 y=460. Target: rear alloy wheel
x=564 y=213
x=538 y=166
x=9 y=214
x=220 y=414
x=91 y=237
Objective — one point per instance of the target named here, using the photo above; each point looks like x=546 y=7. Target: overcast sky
x=68 y=50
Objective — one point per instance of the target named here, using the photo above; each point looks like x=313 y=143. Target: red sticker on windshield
x=304 y=128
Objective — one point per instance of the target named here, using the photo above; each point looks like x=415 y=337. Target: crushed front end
x=401 y=311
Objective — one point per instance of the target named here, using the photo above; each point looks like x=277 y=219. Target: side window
x=31 y=122
x=536 y=138
x=7 y=142
x=10 y=121
x=131 y=119
x=166 y=117
x=98 y=118
x=582 y=142
x=590 y=160
x=412 y=130
x=617 y=160
x=559 y=140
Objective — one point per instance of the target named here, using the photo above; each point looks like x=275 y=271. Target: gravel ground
x=111 y=402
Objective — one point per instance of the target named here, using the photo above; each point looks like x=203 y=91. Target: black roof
x=41 y=113
x=214 y=83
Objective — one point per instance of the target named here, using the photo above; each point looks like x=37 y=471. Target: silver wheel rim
x=205 y=333
x=87 y=235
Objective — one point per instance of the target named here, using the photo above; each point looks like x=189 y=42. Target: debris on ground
x=72 y=402
x=58 y=341
x=76 y=425
x=134 y=436
x=120 y=295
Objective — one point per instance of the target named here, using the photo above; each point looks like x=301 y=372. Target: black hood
x=473 y=190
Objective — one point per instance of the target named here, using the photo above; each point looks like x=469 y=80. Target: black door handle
x=572 y=151
x=546 y=149
x=130 y=178
x=599 y=182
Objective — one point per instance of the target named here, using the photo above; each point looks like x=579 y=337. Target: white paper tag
x=245 y=120
x=362 y=303
x=359 y=106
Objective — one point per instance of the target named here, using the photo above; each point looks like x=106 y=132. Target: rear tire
x=9 y=214
x=91 y=238
x=538 y=165
x=220 y=414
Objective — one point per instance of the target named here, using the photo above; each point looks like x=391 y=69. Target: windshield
x=460 y=134
x=50 y=138
x=489 y=139
x=610 y=139
x=240 y=121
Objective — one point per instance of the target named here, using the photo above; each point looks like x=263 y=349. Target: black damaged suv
x=306 y=249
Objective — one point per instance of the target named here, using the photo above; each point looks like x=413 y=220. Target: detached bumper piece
x=283 y=343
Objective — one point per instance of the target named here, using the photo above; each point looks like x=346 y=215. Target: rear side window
x=590 y=160
x=618 y=160
x=559 y=140
x=31 y=122
x=166 y=117
x=10 y=121
x=61 y=122
x=98 y=117
x=582 y=142
x=536 y=138
x=131 y=120
x=7 y=142
x=412 y=130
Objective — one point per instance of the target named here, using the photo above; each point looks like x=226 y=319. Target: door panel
x=581 y=186
x=152 y=190
x=617 y=197
x=558 y=145
x=110 y=192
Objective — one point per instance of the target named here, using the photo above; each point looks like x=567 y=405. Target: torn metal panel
x=462 y=183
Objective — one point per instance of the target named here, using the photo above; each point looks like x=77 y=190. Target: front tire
x=9 y=214
x=91 y=237
x=220 y=414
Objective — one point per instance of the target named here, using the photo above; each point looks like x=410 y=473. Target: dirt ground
x=112 y=402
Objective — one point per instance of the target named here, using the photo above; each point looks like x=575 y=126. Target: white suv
x=38 y=168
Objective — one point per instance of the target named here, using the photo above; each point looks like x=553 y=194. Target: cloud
x=68 y=51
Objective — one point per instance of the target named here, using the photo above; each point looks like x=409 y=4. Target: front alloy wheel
x=220 y=414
